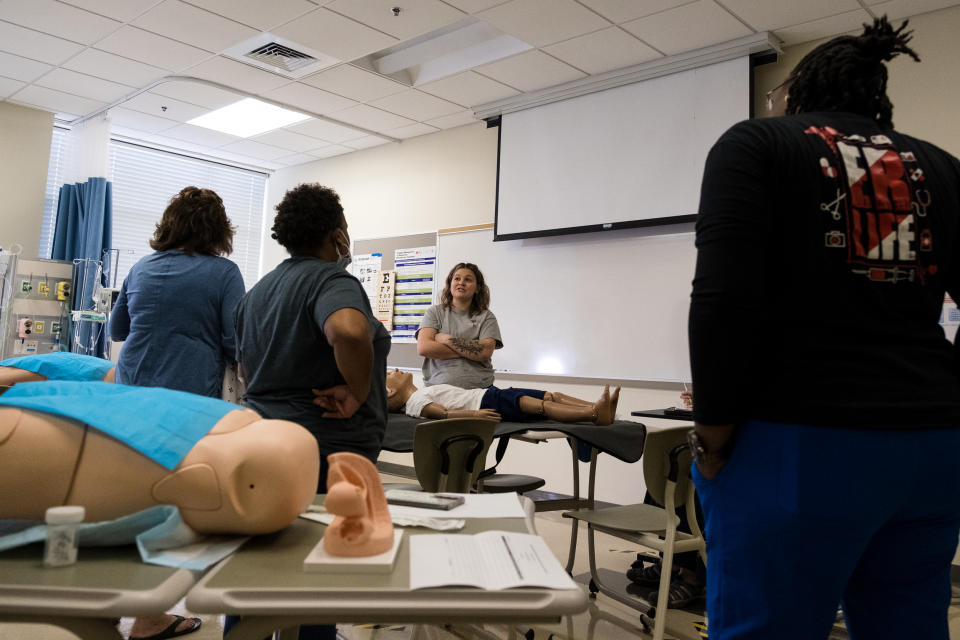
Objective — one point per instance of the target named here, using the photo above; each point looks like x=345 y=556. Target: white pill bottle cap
x=64 y=515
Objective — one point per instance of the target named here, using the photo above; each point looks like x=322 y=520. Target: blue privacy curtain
x=84 y=230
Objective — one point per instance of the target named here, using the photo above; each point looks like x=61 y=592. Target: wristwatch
x=703 y=456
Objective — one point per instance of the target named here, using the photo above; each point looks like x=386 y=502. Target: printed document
x=492 y=560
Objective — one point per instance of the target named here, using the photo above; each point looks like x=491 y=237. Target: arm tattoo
x=466 y=346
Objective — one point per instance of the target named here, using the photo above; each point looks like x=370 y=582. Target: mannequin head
x=399 y=388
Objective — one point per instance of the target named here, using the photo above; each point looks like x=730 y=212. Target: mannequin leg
x=562 y=398
x=600 y=413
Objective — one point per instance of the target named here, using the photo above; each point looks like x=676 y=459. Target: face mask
x=344 y=260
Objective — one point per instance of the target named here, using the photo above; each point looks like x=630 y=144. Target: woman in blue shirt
x=175 y=309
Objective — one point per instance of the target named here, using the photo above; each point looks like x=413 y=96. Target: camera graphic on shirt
x=836 y=239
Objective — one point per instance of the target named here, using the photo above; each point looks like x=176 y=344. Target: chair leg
x=666 y=570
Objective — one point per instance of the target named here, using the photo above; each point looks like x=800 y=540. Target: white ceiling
x=76 y=57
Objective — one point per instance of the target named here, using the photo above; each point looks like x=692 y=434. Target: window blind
x=145 y=179
x=52 y=194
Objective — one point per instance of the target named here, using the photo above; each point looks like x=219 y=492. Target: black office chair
x=492 y=482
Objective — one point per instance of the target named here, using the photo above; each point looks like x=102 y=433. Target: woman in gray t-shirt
x=458 y=336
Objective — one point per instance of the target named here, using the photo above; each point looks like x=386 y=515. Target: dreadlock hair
x=195 y=222
x=848 y=73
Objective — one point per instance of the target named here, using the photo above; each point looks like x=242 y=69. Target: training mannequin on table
x=442 y=401
x=246 y=476
x=59 y=365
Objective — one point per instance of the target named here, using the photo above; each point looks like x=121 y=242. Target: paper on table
x=492 y=560
x=475 y=505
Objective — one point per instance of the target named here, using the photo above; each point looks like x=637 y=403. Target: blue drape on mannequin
x=84 y=230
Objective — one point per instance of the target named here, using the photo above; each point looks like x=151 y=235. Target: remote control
x=423 y=499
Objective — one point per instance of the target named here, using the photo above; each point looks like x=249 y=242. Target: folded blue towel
x=162 y=424
x=62 y=366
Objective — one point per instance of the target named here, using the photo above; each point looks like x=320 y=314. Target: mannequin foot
x=603 y=409
x=614 y=399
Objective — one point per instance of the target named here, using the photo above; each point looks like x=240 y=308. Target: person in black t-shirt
x=828 y=398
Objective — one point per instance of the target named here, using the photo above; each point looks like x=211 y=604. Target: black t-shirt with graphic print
x=825 y=246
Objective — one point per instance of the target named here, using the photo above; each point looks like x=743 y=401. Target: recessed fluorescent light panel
x=248 y=117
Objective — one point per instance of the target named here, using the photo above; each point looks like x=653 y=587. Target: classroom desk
x=622 y=439
x=105 y=583
x=266 y=584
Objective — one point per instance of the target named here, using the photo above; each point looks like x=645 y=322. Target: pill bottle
x=61 y=546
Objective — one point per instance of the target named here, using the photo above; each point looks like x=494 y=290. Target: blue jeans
x=803 y=518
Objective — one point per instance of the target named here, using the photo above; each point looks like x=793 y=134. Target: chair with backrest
x=448 y=455
x=666 y=471
x=492 y=482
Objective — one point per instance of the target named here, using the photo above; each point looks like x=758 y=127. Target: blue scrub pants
x=804 y=518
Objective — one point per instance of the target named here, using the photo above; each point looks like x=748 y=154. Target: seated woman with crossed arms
x=442 y=401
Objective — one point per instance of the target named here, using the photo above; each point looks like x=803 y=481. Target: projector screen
x=624 y=157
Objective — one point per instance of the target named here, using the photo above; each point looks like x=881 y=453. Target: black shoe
x=644 y=573
x=681 y=593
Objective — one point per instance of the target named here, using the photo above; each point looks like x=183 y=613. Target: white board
x=602 y=305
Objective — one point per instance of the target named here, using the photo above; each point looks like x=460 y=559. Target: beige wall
x=924 y=94
x=442 y=180
x=24 y=158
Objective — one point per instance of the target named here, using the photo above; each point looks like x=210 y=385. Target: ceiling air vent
x=278 y=55
x=281 y=57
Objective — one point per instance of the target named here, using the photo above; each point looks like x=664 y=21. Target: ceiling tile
x=9 y=86
x=371 y=118
x=474 y=6
x=186 y=23
x=139 y=121
x=416 y=105
x=605 y=50
x=106 y=65
x=152 y=49
x=57 y=19
x=416 y=16
x=197 y=93
x=692 y=26
x=767 y=15
x=623 y=10
x=80 y=84
x=164 y=107
x=295 y=159
x=237 y=75
x=355 y=83
x=823 y=28
x=35 y=45
x=898 y=9
x=201 y=135
x=330 y=151
x=55 y=101
x=314 y=100
x=287 y=140
x=411 y=131
x=543 y=22
x=255 y=149
x=257 y=13
x=122 y=10
x=18 y=68
x=326 y=131
x=469 y=89
x=530 y=71
x=455 y=120
x=335 y=35
x=365 y=142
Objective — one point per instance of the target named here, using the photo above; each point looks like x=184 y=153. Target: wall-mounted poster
x=416 y=270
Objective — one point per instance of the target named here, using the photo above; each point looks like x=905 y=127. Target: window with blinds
x=52 y=194
x=145 y=179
